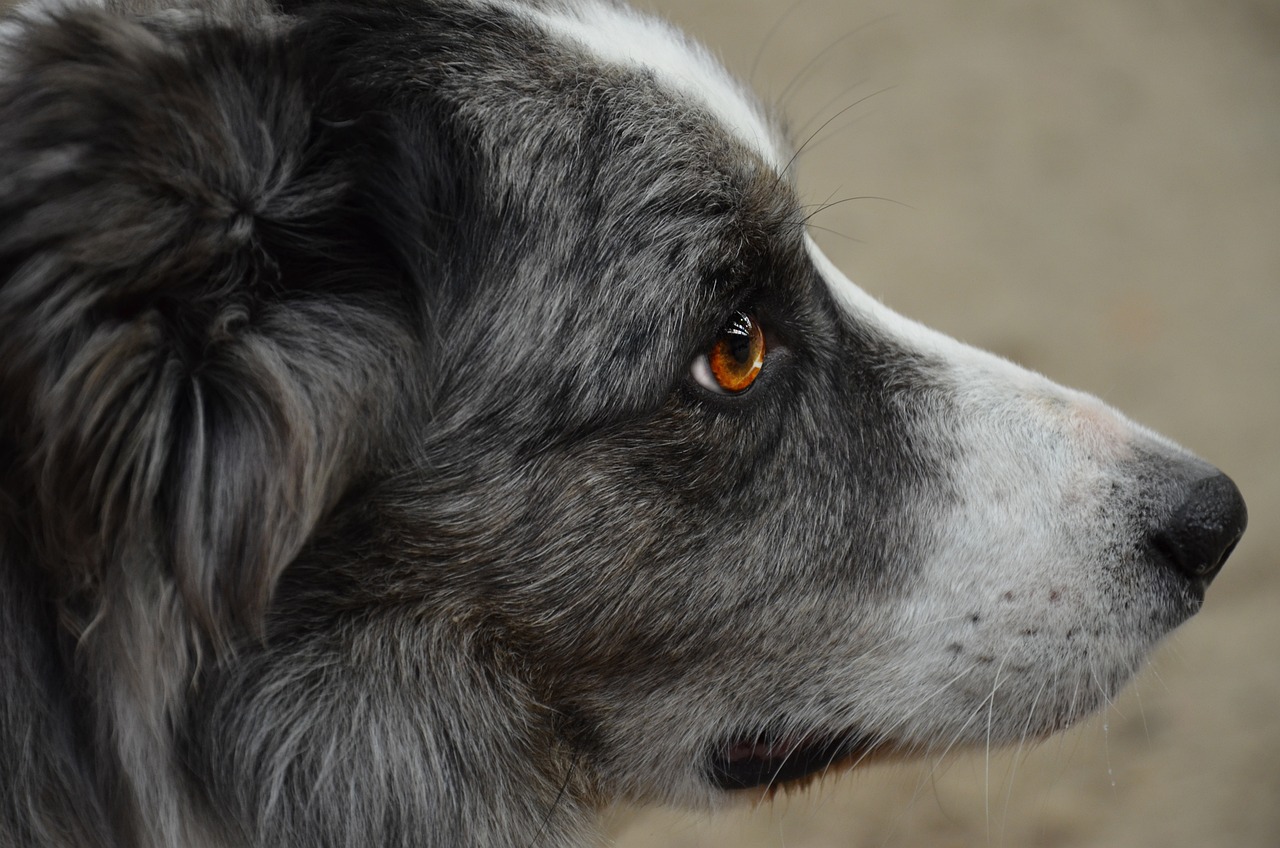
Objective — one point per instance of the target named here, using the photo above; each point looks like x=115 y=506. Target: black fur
x=257 y=321
x=353 y=486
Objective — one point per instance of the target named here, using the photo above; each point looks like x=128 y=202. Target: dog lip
x=770 y=760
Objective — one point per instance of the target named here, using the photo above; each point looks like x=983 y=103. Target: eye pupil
x=738 y=337
x=738 y=354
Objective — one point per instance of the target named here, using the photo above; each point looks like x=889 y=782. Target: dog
x=426 y=422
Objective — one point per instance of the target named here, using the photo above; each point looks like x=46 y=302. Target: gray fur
x=353 y=487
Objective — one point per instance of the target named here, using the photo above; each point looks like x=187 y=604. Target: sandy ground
x=1092 y=189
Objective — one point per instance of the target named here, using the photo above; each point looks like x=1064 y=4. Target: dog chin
x=383 y=459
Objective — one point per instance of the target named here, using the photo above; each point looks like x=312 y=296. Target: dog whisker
x=902 y=721
x=802 y=75
x=836 y=233
x=786 y=169
x=956 y=737
x=432 y=423
x=837 y=132
x=991 y=706
x=824 y=207
x=1017 y=755
x=773 y=30
x=803 y=129
x=555 y=804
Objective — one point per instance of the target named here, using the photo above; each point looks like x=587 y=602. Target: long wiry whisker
x=824 y=202
x=888 y=733
x=773 y=779
x=991 y=709
x=786 y=169
x=1137 y=694
x=823 y=207
x=1106 y=721
x=1107 y=700
x=932 y=775
x=838 y=131
x=804 y=72
x=836 y=233
x=977 y=711
x=902 y=721
x=1017 y=754
x=768 y=36
x=822 y=110
x=555 y=804
x=1068 y=718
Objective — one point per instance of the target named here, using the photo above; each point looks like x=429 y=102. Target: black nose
x=1201 y=532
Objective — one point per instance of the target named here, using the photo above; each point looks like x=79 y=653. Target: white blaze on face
x=972 y=363
x=617 y=35
x=1019 y=560
x=984 y=383
x=1031 y=600
x=1016 y=613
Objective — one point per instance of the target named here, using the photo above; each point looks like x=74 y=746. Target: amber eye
x=735 y=360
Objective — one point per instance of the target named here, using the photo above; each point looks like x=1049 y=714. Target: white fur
x=619 y=36
x=1019 y=579
x=1013 y=627
x=1015 y=623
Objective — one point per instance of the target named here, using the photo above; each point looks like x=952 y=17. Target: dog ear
x=199 y=328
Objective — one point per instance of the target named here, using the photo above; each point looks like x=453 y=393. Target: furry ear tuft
x=169 y=217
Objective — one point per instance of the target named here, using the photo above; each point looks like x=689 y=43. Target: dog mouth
x=768 y=759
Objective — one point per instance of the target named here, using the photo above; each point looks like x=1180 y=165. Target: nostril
x=1202 y=531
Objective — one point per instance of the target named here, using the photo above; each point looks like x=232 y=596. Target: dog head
x=420 y=411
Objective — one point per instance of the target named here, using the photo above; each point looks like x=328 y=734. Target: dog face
x=439 y=410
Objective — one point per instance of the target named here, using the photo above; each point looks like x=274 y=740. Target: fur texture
x=356 y=487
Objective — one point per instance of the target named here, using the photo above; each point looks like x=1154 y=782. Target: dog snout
x=1200 y=532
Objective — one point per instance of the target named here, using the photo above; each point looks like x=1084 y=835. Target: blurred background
x=1090 y=188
